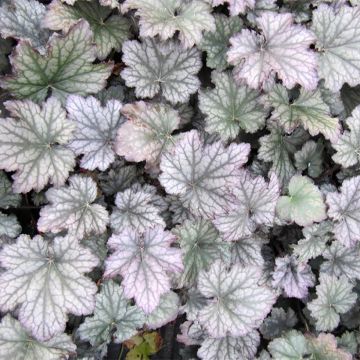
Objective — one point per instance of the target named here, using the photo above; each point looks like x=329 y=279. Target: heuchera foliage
x=180 y=179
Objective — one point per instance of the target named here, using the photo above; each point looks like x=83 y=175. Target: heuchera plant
x=180 y=179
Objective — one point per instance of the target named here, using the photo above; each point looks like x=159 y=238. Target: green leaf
x=16 y=343
x=314 y=243
x=291 y=346
x=46 y=281
x=308 y=110
x=113 y=316
x=304 y=205
x=278 y=322
x=165 y=17
x=347 y=145
x=109 y=31
x=153 y=67
x=278 y=147
x=7 y=197
x=35 y=145
x=334 y=297
x=310 y=158
x=66 y=68
x=215 y=43
x=230 y=108
x=9 y=225
x=200 y=245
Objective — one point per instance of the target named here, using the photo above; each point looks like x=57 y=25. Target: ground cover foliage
x=192 y=164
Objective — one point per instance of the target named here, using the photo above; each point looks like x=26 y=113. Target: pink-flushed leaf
x=96 y=128
x=253 y=205
x=71 y=208
x=33 y=144
x=145 y=261
x=292 y=276
x=282 y=48
x=344 y=209
x=147 y=133
x=237 y=303
x=202 y=174
x=46 y=280
x=236 y=7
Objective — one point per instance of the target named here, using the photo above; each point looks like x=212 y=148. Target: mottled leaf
x=153 y=67
x=215 y=43
x=96 y=128
x=46 y=281
x=238 y=304
x=145 y=262
x=71 y=208
x=282 y=48
x=66 y=68
x=109 y=31
x=16 y=343
x=201 y=173
x=278 y=322
x=33 y=144
x=344 y=209
x=236 y=7
x=230 y=108
x=7 y=197
x=334 y=297
x=310 y=158
x=165 y=17
x=253 y=205
x=9 y=225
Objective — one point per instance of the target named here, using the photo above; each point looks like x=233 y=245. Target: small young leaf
x=310 y=158
x=153 y=67
x=341 y=260
x=22 y=21
x=9 y=225
x=347 y=145
x=344 y=209
x=338 y=43
x=17 y=343
x=34 y=145
x=109 y=31
x=229 y=108
x=304 y=205
x=66 y=68
x=238 y=303
x=278 y=322
x=215 y=43
x=200 y=245
x=277 y=149
x=334 y=297
x=112 y=312
x=42 y=276
x=308 y=110
x=293 y=277
x=165 y=17
x=201 y=174
x=144 y=261
x=71 y=208
x=253 y=205
x=96 y=128
x=314 y=243
x=147 y=133
x=282 y=48
x=230 y=348
x=7 y=197
x=135 y=208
